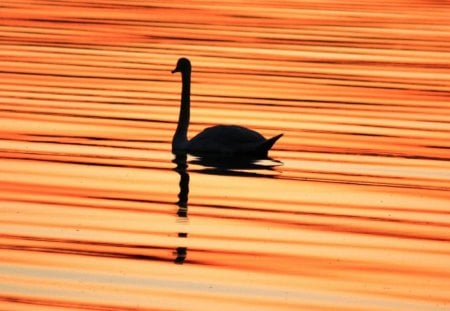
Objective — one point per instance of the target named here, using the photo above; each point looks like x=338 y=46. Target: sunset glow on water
x=352 y=211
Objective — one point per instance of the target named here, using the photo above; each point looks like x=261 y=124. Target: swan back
x=230 y=140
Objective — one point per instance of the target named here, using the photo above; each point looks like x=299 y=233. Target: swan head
x=183 y=65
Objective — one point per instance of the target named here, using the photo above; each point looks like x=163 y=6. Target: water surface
x=351 y=213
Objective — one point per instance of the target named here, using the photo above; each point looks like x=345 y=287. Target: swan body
x=219 y=140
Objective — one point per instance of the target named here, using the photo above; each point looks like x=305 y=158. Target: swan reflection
x=181 y=169
x=241 y=166
x=238 y=166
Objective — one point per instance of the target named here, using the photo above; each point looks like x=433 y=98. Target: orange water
x=96 y=216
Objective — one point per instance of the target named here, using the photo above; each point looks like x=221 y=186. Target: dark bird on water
x=219 y=140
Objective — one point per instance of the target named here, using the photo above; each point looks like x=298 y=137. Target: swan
x=219 y=140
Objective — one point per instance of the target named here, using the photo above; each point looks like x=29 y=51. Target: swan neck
x=180 y=138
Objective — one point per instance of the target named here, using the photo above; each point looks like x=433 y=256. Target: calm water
x=351 y=213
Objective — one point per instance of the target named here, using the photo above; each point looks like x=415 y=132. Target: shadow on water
x=236 y=166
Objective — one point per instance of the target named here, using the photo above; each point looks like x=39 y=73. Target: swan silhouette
x=219 y=140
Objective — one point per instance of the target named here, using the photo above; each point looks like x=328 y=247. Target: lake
x=350 y=212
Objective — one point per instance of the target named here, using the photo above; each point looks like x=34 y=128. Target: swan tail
x=265 y=146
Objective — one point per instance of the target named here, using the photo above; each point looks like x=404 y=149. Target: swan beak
x=175 y=70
